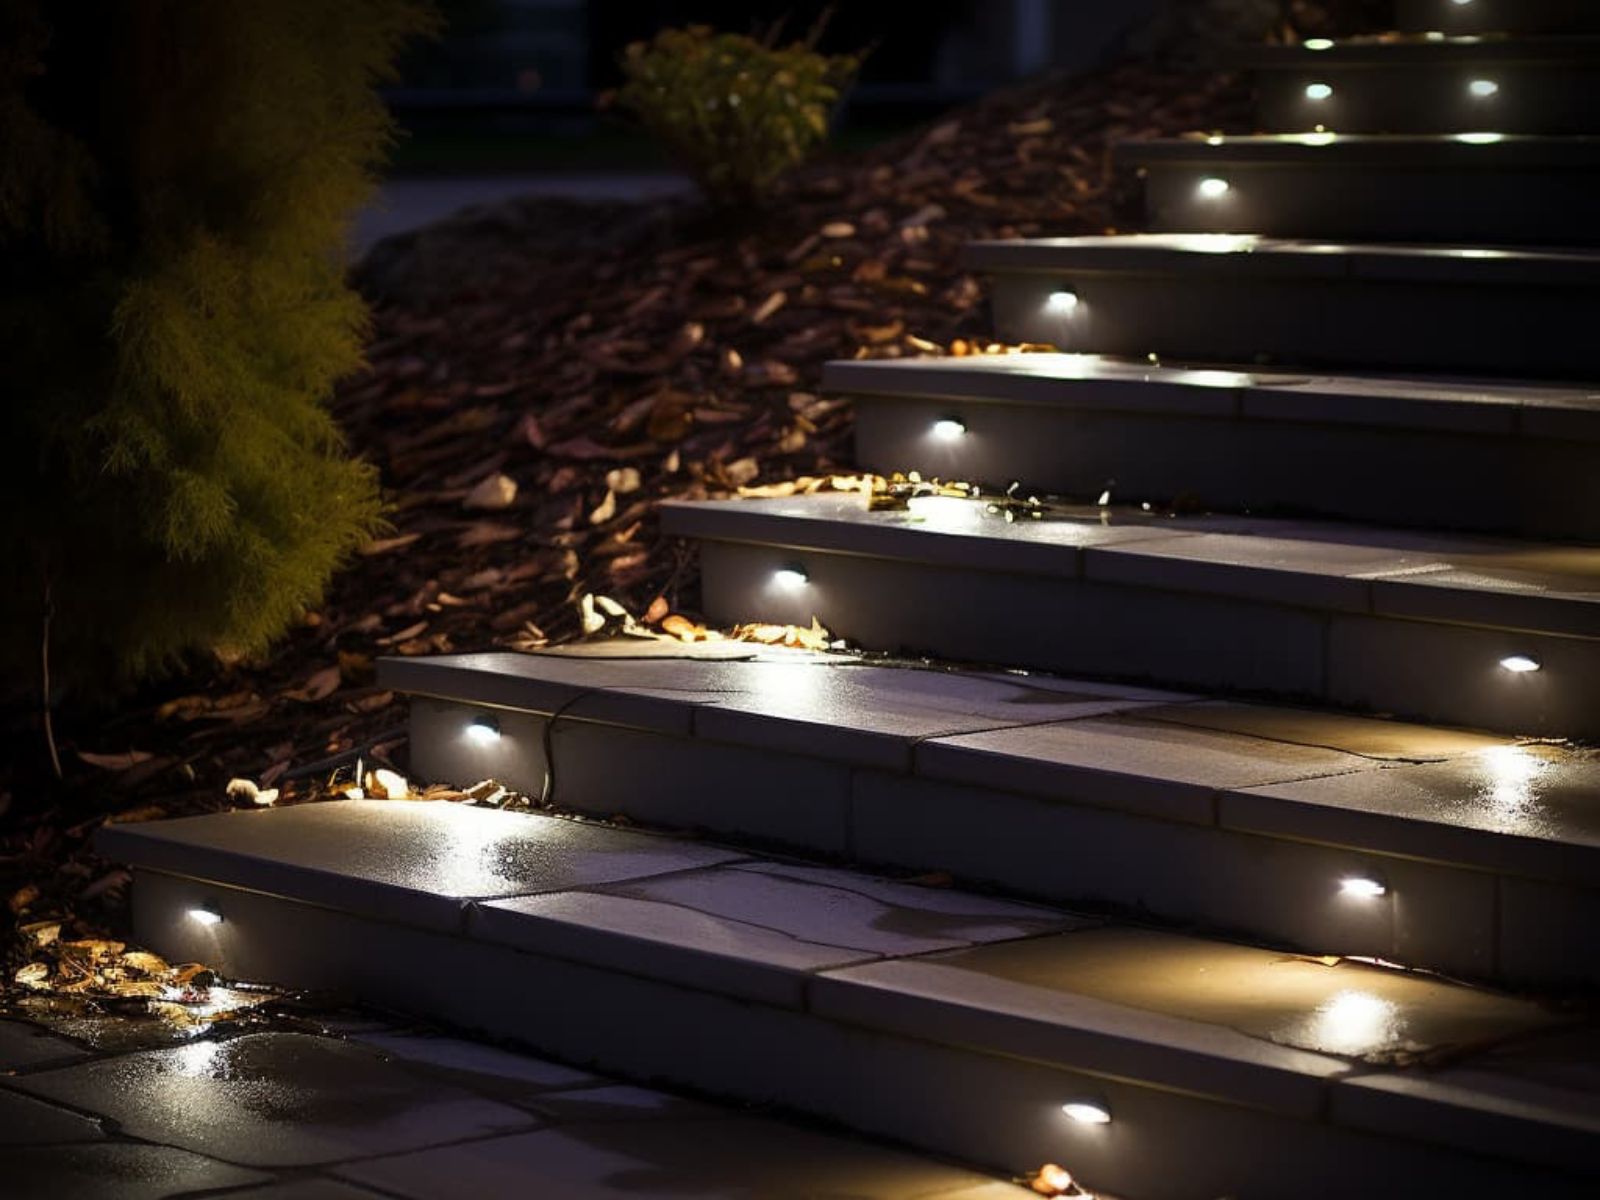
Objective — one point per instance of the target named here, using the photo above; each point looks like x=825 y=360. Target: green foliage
x=175 y=182
x=735 y=112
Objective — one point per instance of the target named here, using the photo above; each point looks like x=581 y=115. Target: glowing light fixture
x=1483 y=88
x=1519 y=664
x=205 y=914
x=1213 y=188
x=1087 y=1112
x=1318 y=91
x=1461 y=3
x=1321 y=137
x=948 y=429
x=484 y=731
x=1062 y=303
x=1318 y=44
x=791 y=576
x=1362 y=887
x=1480 y=139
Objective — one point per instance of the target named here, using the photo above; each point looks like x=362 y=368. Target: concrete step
x=1416 y=624
x=1246 y=299
x=1414 y=451
x=1455 y=17
x=1003 y=1034
x=1475 y=188
x=1430 y=83
x=1201 y=813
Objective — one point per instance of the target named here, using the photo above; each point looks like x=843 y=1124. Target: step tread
x=1434 y=793
x=1244 y=255
x=1500 y=583
x=1098 y=382
x=1427 y=49
x=1245 y=1025
x=1450 y=151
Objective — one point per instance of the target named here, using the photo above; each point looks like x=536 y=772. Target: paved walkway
x=406 y=204
x=370 y=1109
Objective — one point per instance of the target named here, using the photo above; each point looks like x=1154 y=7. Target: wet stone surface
x=393 y=1111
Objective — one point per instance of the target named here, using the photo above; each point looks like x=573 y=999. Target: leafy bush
x=735 y=112
x=175 y=182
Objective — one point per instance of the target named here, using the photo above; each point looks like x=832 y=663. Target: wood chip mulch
x=541 y=376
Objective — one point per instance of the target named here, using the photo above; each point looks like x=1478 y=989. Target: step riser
x=1500 y=16
x=1376 y=203
x=1531 y=332
x=1550 y=98
x=1498 y=484
x=1438 y=673
x=1003 y=1112
x=1459 y=919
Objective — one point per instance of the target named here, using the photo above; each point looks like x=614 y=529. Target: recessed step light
x=205 y=914
x=948 y=429
x=1519 y=664
x=1483 y=88
x=1318 y=91
x=1362 y=887
x=1213 y=188
x=484 y=731
x=1087 y=1112
x=792 y=576
x=1061 y=303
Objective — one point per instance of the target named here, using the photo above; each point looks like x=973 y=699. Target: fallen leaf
x=35 y=975
x=623 y=480
x=606 y=509
x=384 y=545
x=493 y=492
x=320 y=685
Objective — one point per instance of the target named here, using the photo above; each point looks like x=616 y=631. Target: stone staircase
x=1223 y=854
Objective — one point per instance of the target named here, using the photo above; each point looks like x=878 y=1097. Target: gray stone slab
x=966 y=536
x=275 y=1100
x=733 y=1158
x=25 y=1121
x=1526 y=810
x=308 y=1188
x=1369 y=737
x=1232 y=1021
x=410 y=861
x=873 y=716
x=1148 y=767
x=755 y=933
x=1313 y=574
x=949 y=1004
x=622 y=1102
x=115 y=1171
x=24 y=1045
x=484 y=1069
x=1536 y=1099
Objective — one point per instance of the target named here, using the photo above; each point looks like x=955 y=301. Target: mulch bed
x=541 y=376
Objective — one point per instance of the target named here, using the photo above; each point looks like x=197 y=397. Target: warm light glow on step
x=1318 y=44
x=1062 y=303
x=1319 y=91
x=1354 y=1022
x=948 y=429
x=484 y=731
x=1519 y=664
x=1362 y=886
x=205 y=914
x=1213 y=188
x=1483 y=88
x=792 y=576
x=1087 y=1112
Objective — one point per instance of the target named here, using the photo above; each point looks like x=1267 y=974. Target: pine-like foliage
x=175 y=182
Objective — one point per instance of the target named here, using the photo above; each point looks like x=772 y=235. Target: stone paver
x=754 y=933
x=418 y=1114
x=873 y=716
x=23 y=1045
x=113 y=1171
x=1366 y=736
x=1349 y=1010
x=275 y=1100
x=25 y=1121
x=729 y=1159
x=413 y=862
x=1155 y=768
x=487 y=1070
x=1541 y=800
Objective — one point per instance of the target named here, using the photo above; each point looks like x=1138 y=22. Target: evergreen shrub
x=176 y=178
x=735 y=112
